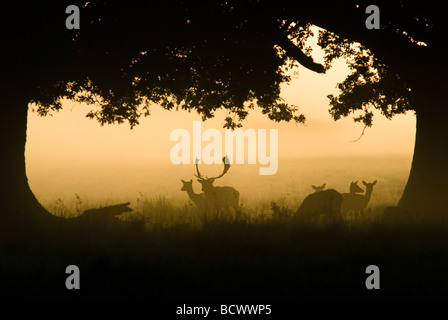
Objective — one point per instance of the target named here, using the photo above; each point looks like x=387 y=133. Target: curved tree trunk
x=20 y=211
x=18 y=203
x=426 y=192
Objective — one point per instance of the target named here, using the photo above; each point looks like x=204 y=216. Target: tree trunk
x=18 y=203
x=427 y=188
x=21 y=214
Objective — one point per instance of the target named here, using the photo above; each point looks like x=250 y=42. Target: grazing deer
x=218 y=198
x=321 y=206
x=319 y=188
x=354 y=204
x=197 y=198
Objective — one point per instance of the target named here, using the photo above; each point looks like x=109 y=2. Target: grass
x=265 y=255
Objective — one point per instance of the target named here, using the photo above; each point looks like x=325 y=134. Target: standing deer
x=197 y=198
x=218 y=198
x=354 y=204
x=321 y=206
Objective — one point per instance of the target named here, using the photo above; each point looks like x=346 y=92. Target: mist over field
x=76 y=163
x=108 y=184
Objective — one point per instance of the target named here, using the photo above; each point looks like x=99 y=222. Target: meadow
x=164 y=254
x=155 y=195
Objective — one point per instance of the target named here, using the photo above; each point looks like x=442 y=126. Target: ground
x=270 y=261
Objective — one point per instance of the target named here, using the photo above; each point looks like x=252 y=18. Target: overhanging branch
x=294 y=52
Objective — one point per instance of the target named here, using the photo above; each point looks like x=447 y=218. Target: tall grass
x=161 y=212
x=265 y=255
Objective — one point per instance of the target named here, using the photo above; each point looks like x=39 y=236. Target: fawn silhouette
x=197 y=198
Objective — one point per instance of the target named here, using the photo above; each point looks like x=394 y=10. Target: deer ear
x=314 y=187
x=323 y=186
x=374 y=183
x=211 y=180
x=191 y=180
x=364 y=183
x=183 y=180
x=200 y=181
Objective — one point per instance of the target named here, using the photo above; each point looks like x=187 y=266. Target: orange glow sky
x=68 y=134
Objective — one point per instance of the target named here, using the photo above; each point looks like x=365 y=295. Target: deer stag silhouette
x=353 y=204
x=219 y=199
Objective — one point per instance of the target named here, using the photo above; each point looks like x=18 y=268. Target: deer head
x=207 y=183
x=354 y=188
x=319 y=188
x=187 y=185
x=369 y=185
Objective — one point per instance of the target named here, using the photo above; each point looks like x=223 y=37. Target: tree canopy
x=218 y=54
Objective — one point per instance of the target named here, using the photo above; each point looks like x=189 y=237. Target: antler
x=226 y=162
x=199 y=176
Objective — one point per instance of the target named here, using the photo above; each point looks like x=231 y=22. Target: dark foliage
x=207 y=56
